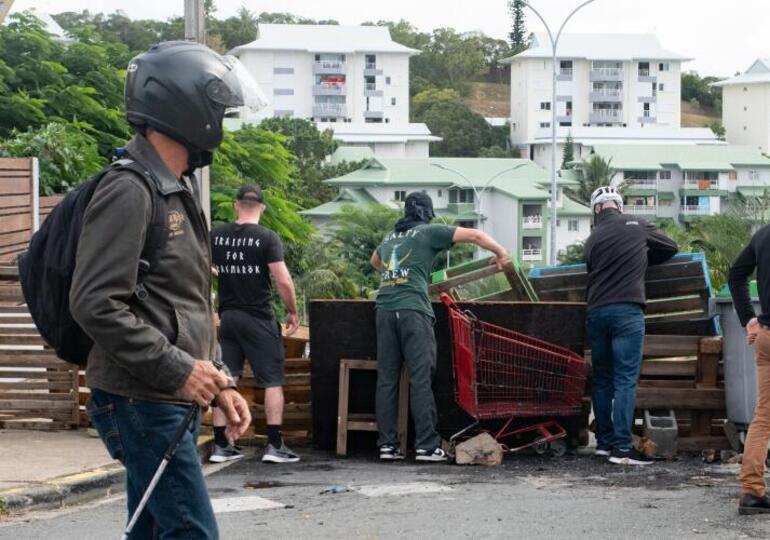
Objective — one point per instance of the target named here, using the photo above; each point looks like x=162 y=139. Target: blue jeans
x=616 y=332
x=138 y=433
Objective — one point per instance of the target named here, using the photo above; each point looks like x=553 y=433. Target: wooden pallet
x=452 y=281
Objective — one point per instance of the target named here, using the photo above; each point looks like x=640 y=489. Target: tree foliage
x=66 y=155
x=697 y=90
x=573 y=254
x=569 y=153
x=518 y=35
x=595 y=172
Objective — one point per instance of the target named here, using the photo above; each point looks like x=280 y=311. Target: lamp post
x=554 y=44
x=473 y=186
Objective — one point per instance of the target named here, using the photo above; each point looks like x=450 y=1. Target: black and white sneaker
x=228 y=453
x=629 y=457
x=388 y=452
x=602 y=452
x=279 y=455
x=435 y=455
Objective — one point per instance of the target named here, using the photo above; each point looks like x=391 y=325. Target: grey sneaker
x=436 y=455
x=228 y=453
x=279 y=455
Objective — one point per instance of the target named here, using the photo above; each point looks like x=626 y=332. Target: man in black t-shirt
x=245 y=255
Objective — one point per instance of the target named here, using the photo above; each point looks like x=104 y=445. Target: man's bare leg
x=224 y=449
x=274 y=412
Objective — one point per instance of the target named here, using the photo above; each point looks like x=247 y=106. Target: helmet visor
x=237 y=88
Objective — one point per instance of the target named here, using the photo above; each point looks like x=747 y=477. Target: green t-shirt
x=407 y=259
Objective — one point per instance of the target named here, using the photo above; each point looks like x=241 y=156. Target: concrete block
x=482 y=449
x=660 y=426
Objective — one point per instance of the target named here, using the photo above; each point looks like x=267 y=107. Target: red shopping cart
x=504 y=375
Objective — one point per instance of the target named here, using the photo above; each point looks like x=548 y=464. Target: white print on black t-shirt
x=236 y=255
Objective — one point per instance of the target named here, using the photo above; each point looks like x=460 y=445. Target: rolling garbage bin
x=740 y=371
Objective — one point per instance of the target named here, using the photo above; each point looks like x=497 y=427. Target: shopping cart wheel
x=540 y=447
x=558 y=448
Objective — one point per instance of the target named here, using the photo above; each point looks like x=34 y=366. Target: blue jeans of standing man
x=138 y=433
x=616 y=332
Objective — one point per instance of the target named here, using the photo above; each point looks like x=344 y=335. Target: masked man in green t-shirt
x=405 y=322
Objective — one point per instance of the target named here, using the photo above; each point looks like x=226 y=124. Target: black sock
x=220 y=439
x=274 y=435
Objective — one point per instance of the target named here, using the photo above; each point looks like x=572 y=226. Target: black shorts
x=259 y=340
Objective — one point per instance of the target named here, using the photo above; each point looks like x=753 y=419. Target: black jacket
x=755 y=255
x=617 y=254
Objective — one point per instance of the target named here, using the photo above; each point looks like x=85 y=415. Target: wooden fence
x=18 y=205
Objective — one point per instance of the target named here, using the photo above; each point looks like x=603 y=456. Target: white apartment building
x=604 y=80
x=330 y=73
x=746 y=106
x=686 y=182
x=584 y=139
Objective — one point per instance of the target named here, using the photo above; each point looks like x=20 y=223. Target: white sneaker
x=279 y=455
x=602 y=452
x=228 y=453
x=435 y=455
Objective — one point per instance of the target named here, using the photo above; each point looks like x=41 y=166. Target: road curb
x=74 y=488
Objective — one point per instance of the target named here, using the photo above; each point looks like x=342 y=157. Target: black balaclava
x=418 y=210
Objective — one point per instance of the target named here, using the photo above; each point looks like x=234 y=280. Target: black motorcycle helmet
x=183 y=89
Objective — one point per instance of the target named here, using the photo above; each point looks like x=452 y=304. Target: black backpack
x=47 y=267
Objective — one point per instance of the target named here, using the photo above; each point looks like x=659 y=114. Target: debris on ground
x=334 y=490
x=709 y=455
x=729 y=457
x=482 y=449
x=645 y=446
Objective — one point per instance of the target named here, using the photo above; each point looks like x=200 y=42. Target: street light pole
x=483 y=189
x=554 y=79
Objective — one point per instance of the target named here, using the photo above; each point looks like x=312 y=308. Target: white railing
x=531 y=254
x=330 y=64
x=605 y=94
x=371 y=65
x=329 y=109
x=703 y=183
x=644 y=72
x=371 y=86
x=641 y=182
x=610 y=115
x=532 y=222
x=694 y=210
x=567 y=72
x=607 y=72
x=640 y=210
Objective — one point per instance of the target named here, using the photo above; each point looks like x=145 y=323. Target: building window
x=753 y=175
x=572 y=225
x=545 y=124
x=565 y=124
x=745 y=108
x=371 y=59
x=545 y=105
x=644 y=69
x=661 y=87
x=460 y=196
x=665 y=175
x=664 y=66
x=283 y=91
x=283 y=70
x=440 y=193
x=399 y=196
x=393 y=101
x=387 y=80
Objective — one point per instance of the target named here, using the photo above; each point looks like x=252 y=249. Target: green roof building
x=686 y=182
x=507 y=198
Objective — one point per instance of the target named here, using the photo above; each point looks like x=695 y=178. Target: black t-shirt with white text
x=241 y=253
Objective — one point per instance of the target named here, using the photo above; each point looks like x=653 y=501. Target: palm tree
x=595 y=173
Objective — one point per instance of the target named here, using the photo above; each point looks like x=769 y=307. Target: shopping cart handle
x=447 y=301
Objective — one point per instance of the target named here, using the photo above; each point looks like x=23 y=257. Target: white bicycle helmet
x=604 y=194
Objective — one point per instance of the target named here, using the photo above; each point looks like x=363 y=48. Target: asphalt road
x=528 y=497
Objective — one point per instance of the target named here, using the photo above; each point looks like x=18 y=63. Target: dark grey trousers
x=406 y=337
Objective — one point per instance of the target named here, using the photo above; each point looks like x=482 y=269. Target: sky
x=723 y=37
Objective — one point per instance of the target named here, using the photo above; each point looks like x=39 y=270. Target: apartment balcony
x=371 y=90
x=640 y=210
x=374 y=114
x=330 y=89
x=606 y=116
x=647 y=118
x=645 y=75
x=694 y=210
x=371 y=70
x=564 y=74
x=606 y=96
x=606 y=74
x=566 y=117
x=330 y=110
x=648 y=99
x=531 y=255
x=532 y=222
x=329 y=68
x=641 y=183
x=702 y=184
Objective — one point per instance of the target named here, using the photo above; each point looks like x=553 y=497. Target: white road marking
x=243 y=504
x=410 y=488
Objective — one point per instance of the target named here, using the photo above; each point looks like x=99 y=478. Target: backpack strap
x=157 y=230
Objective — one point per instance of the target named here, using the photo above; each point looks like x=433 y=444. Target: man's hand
x=237 y=412
x=501 y=259
x=752 y=329
x=292 y=323
x=203 y=383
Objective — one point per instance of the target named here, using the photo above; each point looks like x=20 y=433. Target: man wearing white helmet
x=617 y=254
